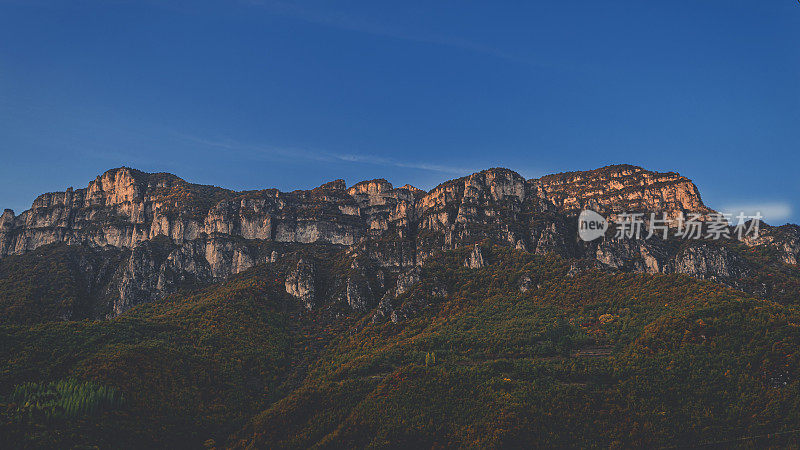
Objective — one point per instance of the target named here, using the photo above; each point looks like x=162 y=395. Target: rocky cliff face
x=125 y=207
x=784 y=239
x=179 y=234
x=475 y=258
x=622 y=188
x=300 y=284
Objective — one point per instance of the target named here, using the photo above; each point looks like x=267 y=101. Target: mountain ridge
x=174 y=233
x=162 y=177
x=469 y=315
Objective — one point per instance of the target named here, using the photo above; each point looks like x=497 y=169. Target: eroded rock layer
x=174 y=233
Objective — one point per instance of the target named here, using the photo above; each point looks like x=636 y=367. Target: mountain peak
x=371 y=187
x=623 y=187
x=211 y=233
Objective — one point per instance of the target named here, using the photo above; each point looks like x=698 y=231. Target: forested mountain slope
x=148 y=311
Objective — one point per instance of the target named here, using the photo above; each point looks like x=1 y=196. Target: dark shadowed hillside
x=146 y=311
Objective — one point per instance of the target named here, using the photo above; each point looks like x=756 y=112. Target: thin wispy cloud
x=774 y=213
x=340 y=20
x=378 y=161
x=262 y=152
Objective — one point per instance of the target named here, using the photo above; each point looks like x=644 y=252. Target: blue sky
x=255 y=94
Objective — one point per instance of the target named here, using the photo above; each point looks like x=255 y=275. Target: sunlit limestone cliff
x=148 y=235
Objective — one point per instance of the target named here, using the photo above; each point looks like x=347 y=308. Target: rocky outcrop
x=415 y=301
x=6 y=230
x=785 y=239
x=496 y=203
x=407 y=280
x=622 y=188
x=300 y=284
x=180 y=234
x=158 y=267
x=525 y=284
x=124 y=207
x=359 y=293
x=551 y=237
x=635 y=255
x=475 y=258
x=142 y=277
x=383 y=207
x=708 y=262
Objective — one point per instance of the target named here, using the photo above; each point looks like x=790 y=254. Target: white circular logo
x=591 y=225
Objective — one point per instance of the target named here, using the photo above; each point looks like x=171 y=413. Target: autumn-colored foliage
x=586 y=359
